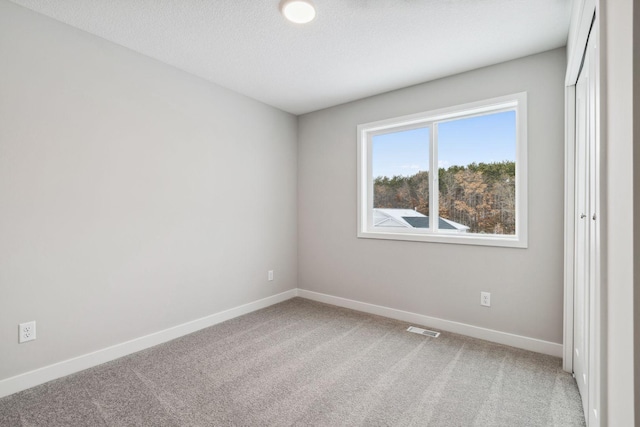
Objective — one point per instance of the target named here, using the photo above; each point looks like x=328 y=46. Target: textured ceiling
x=353 y=49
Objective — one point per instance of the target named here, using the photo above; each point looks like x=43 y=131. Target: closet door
x=585 y=232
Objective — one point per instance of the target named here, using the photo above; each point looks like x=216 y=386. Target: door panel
x=586 y=180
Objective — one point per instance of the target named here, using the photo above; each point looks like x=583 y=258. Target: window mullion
x=433 y=179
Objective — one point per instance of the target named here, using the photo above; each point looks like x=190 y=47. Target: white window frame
x=516 y=102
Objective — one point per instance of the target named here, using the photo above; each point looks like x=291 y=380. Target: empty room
x=319 y=213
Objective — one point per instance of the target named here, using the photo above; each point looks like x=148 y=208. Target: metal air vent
x=432 y=334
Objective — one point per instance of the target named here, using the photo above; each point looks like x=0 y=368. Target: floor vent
x=432 y=334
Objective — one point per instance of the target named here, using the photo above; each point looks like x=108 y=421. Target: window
x=477 y=193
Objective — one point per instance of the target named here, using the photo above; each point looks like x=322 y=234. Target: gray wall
x=435 y=279
x=636 y=206
x=134 y=197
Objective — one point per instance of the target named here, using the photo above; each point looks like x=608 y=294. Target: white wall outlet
x=27 y=331
x=485 y=299
x=270 y=275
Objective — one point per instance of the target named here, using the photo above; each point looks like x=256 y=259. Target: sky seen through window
x=482 y=139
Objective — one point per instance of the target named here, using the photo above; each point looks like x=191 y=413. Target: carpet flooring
x=302 y=363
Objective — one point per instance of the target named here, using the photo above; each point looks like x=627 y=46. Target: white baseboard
x=518 y=341
x=57 y=370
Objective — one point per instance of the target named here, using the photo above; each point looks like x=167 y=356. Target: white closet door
x=585 y=205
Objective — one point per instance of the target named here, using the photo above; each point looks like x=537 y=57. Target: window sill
x=458 y=239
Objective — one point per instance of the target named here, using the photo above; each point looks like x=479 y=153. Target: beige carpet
x=308 y=364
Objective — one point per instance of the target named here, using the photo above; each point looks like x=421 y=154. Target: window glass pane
x=400 y=171
x=477 y=167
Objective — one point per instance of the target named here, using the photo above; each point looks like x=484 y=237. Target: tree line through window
x=481 y=196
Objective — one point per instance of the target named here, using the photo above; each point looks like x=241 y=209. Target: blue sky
x=482 y=139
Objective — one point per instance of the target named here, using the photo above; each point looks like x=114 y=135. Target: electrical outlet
x=270 y=275
x=27 y=331
x=485 y=299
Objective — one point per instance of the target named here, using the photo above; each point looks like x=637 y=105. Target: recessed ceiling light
x=298 y=11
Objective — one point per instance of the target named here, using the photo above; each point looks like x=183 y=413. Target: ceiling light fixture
x=298 y=11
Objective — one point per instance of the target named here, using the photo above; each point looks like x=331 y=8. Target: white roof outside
x=383 y=217
x=387 y=217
